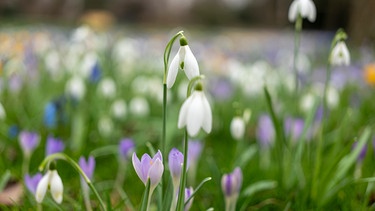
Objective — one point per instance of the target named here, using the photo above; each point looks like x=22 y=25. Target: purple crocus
x=175 y=161
x=188 y=192
x=231 y=185
x=54 y=145
x=265 y=131
x=88 y=166
x=149 y=168
x=31 y=182
x=294 y=128
x=194 y=151
x=126 y=148
x=28 y=141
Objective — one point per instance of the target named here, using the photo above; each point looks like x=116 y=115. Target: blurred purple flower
x=54 y=145
x=31 y=182
x=149 y=168
x=87 y=166
x=194 y=151
x=265 y=131
x=28 y=141
x=362 y=153
x=188 y=192
x=126 y=148
x=231 y=183
x=294 y=128
x=175 y=161
x=221 y=88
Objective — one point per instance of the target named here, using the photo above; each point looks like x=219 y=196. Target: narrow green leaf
x=168 y=195
x=4 y=179
x=247 y=155
x=145 y=198
x=197 y=189
x=259 y=186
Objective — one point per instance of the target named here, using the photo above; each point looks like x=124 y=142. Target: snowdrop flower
x=149 y=168
x=119 y=109
x=185 y=60
x=107 y=88
x=75 y=87
x=340 y=54
x=231 y=185
x=195 y=113
x=237 y=128
x=305 y=8
x=51 y=180
x=139 y=107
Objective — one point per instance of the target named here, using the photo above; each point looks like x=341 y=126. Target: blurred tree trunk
x=362 y=21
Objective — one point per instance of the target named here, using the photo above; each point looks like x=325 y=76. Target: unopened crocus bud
x=265 y=131
x=231 y=185
x=28 y=141
x=126 y=148
x=237 y=128
x=54 y=145
x=175 y=161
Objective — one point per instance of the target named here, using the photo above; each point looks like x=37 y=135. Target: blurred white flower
x=139 y=107
x=185 y=60
x=118 y=109
x=307 y=102
x=195 y=113
x=305 y=8
x=51 y=180
x=53 y=66
x=333 y=97
x=105 y=126
x=340 y=54
x=182 y=90
x=86 y=65
x=107 y=88
x=75 y=87
x=81 y=34
x=237 y=128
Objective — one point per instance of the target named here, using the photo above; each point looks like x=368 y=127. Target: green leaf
x=168 y=195
x=197 y=189
x=246 y=156
x=145 y=198
x=4 y=179
x=259 y=186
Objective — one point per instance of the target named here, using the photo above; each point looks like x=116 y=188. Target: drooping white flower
x=76 y=87
x=51 y=180
x=185 y=60
x=195 y=113
x=340 y=54
x=119 y=109
x=138 y=106
x=237 y=127
x=305 y=8
x=107 y=88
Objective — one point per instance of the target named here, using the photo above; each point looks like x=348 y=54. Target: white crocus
x=340 y=54
x=185 y=60
x=237 y=127
x=305 y=8
x=52 y=181
x=195 y=113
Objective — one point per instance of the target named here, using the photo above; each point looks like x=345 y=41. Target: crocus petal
x=146 y=163
x=56 y=186
x=292 y=13
x=195 y=114
x=175 y=161
x=207 y=119
x=184 y=112
x=191 y=67
x=42 y=187
x=158 y=155
x=138 y=168
x=173 y=70
x=155 y=172
x=238 y=174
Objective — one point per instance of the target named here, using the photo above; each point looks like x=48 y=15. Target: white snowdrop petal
x=292 y=13
x=42 y=187
x=207 y=120
x=195 y=114
x=183 y=113
x=312 y=11
x=57 y=187
x=191 y=67
x=173 y=70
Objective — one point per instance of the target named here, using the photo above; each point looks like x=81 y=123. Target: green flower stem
x=86 y=196
x=25 y=164
x=297 y=39
x=181 y=194
x=167 y=53
x=62 y=156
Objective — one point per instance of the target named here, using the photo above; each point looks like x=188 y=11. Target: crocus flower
x=126 y=148
x=51 y=180
x=294 y=127
x=237 y=128
x=50 y=119
x=32 y=182
x=149 y=168
x=175 y=161
x=88 y=166
x=188 y=192
x=28 y=141
x=340 y=54
x=185 y=60
x=231 y=186
x=305 y=8
x=54 y=145
x=265 y=131
x=195 y=113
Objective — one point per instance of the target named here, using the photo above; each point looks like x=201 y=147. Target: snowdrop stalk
x=62 y=156
x=167 y=53
x=297 y=41
x=339 y=36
